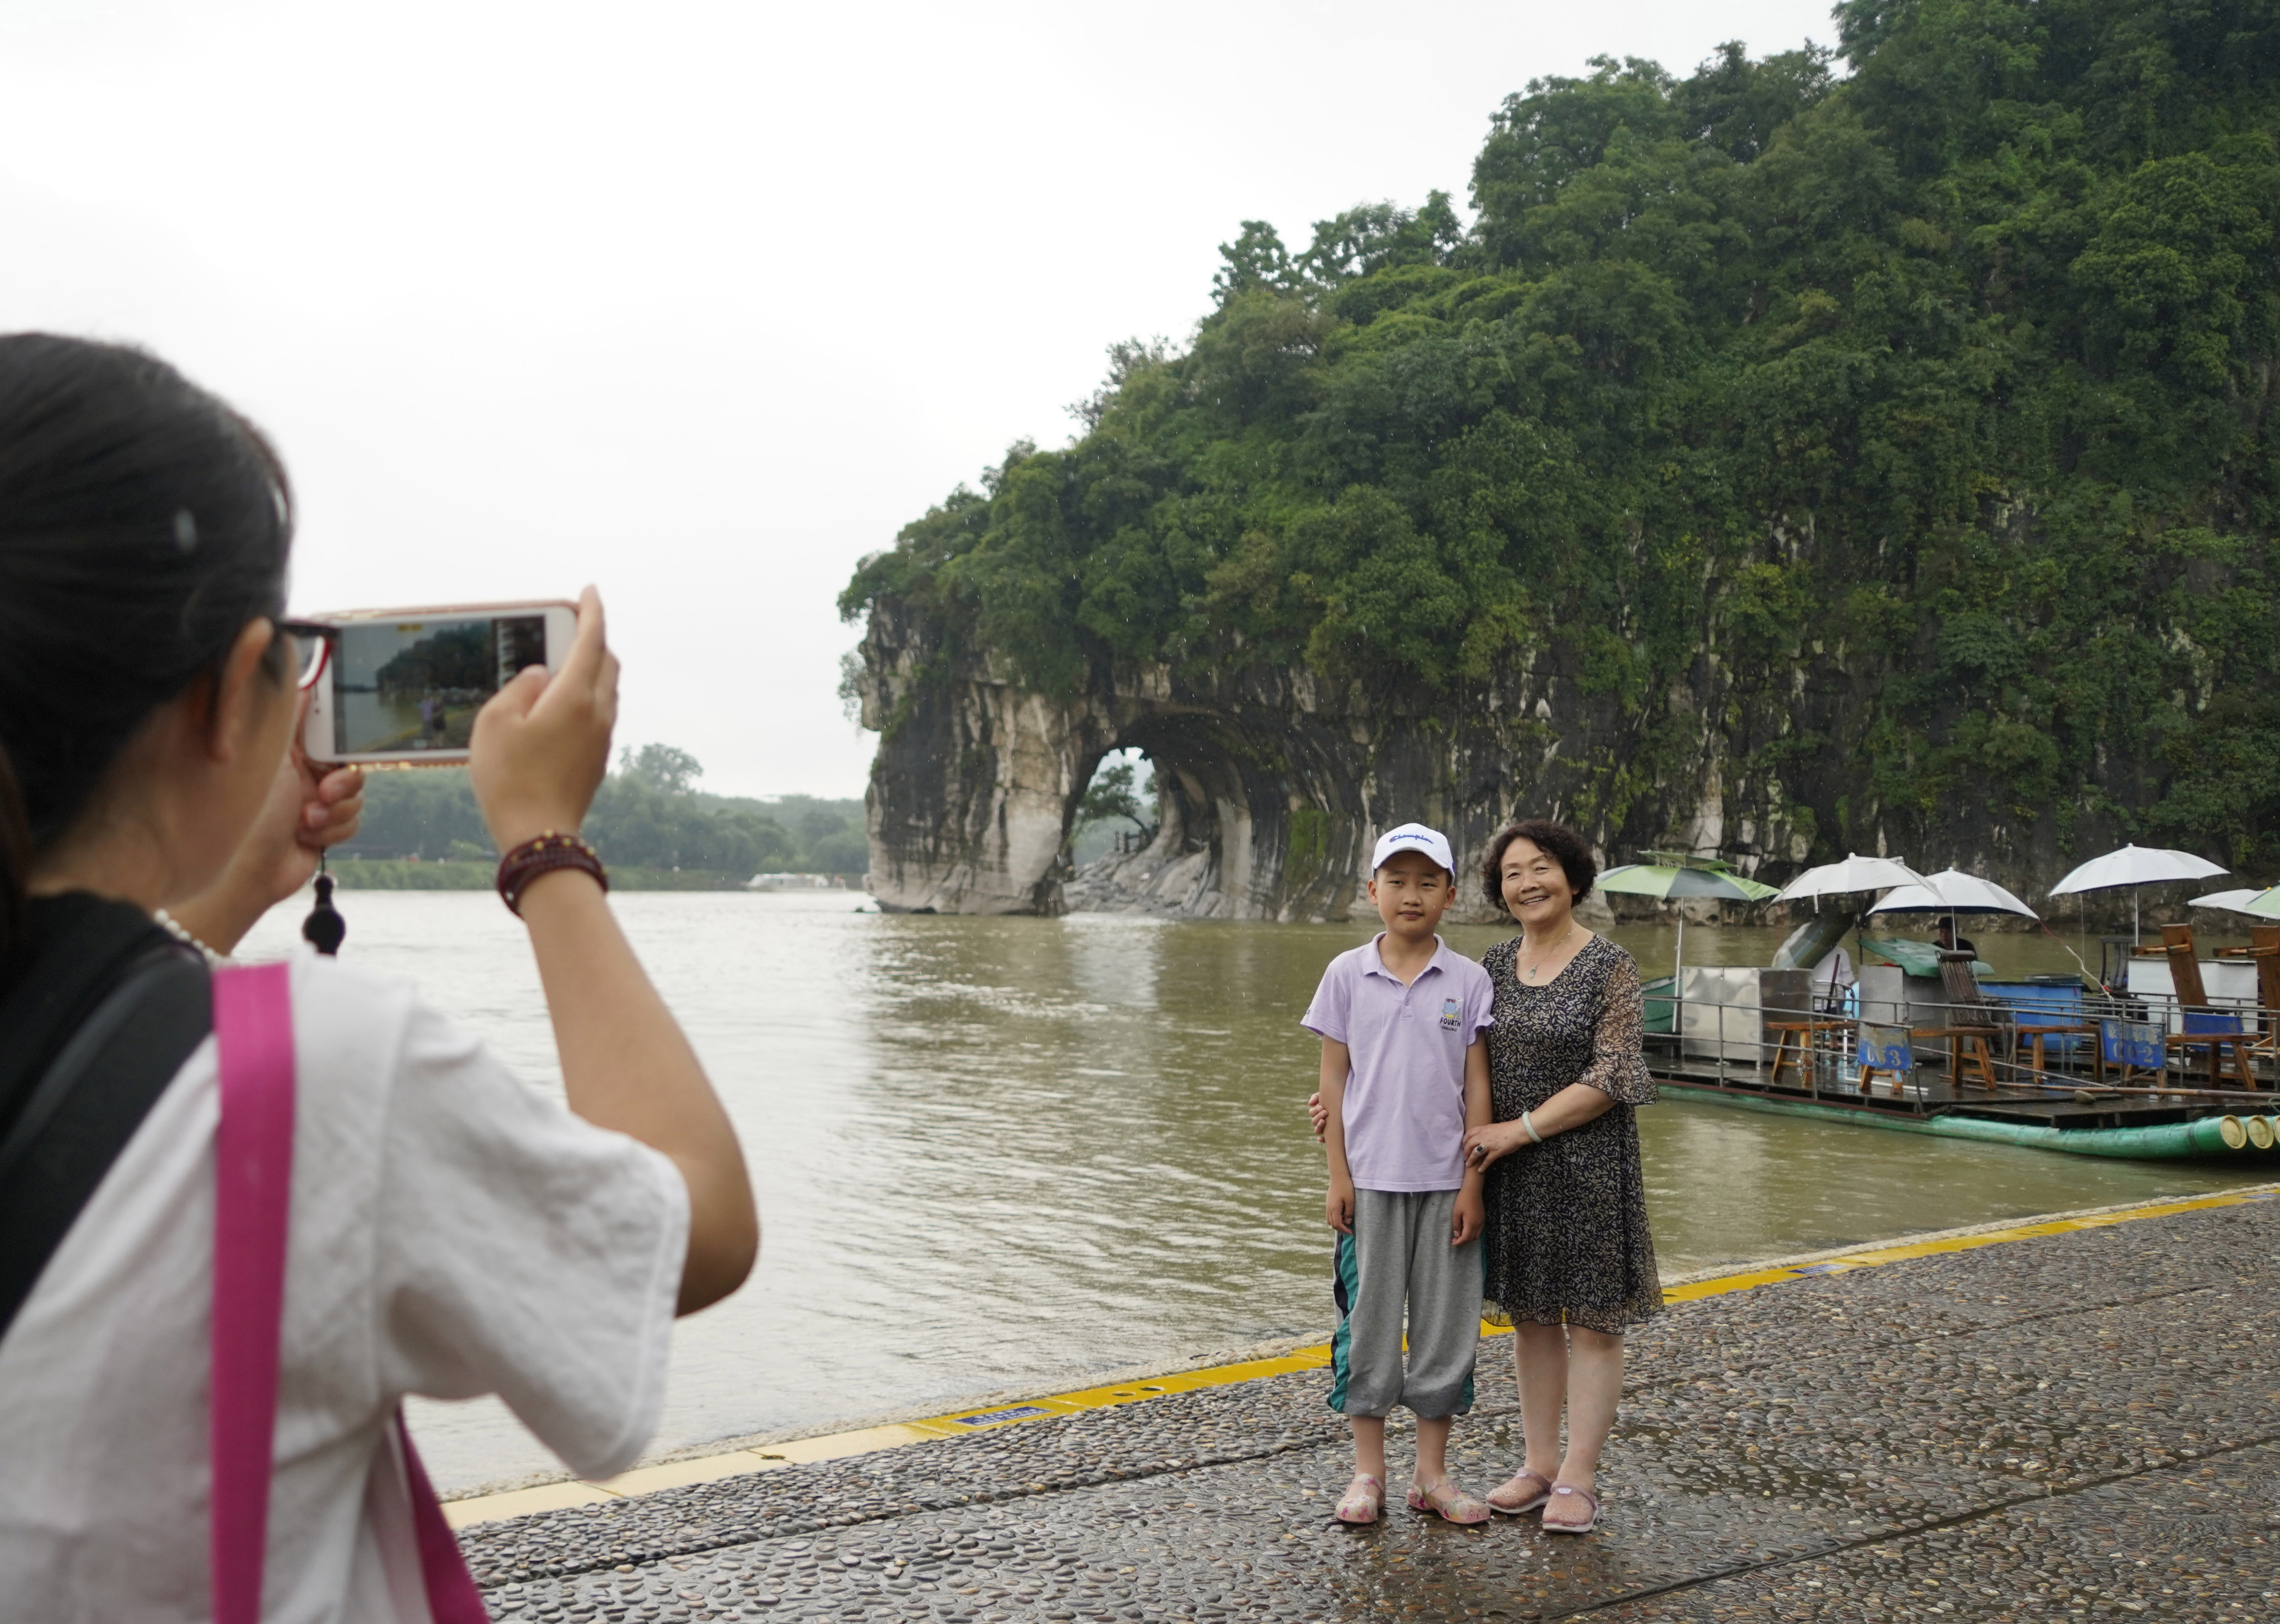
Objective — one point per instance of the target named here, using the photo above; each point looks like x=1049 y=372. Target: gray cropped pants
x=1399 y=1255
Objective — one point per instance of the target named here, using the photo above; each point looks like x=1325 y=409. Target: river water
x=998 y=1152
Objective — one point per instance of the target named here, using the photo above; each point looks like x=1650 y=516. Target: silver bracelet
x=172 y=927
x=1533 y=1135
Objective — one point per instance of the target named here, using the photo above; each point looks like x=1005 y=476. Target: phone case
x=401 y=686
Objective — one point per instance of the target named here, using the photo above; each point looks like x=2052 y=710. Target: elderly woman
x=1570 y=1264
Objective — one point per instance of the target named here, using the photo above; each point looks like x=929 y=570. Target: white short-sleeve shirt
x=454 y=1233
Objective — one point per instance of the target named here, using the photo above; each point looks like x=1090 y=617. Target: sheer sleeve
x=1618 y=1067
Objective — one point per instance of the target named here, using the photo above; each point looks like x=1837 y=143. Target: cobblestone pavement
x=2084 y=1425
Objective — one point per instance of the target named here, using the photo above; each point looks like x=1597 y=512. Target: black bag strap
x=108 y=1009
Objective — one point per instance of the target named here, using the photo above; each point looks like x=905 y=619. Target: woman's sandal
x=1449 y=1503
x=1363 y=1497
x=1522 y=1493
x=1586 y=1496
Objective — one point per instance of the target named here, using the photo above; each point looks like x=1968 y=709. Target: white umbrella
x=2234 y=902
x=2133 y=866
x=1952 y=891
x=2263 y=904
x=1854 y=873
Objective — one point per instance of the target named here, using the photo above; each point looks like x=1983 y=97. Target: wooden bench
x=2032 y=1038
x=1793 y=1045
x=1968 y=1048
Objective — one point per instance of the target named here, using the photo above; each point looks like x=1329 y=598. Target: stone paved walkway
x=2078 y=1425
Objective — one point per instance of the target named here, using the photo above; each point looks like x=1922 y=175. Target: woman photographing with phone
x=447 y=1230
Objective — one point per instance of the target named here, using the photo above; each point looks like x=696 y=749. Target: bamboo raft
x=2051 y=1065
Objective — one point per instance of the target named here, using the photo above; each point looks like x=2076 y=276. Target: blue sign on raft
x=991 y=1418
x=1886 y=1048
x=2130 y=1043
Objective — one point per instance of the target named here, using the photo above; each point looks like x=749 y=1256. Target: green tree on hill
x=661 y=766
x=1947 y=384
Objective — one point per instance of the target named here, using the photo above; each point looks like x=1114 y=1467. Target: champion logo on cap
x=1413 y=837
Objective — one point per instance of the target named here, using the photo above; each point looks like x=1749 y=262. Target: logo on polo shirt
x=1449 y=1012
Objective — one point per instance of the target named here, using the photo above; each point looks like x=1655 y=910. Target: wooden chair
x=2220 y=1032
x=2264 y=952
x=1975 y=1023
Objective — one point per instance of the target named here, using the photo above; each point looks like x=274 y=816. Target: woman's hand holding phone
x=542 y=744
x=540 y=748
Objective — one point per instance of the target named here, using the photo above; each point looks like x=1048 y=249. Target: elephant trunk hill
x=1867 y=449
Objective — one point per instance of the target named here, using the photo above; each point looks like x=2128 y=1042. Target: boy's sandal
x=1449 y=1503
x=1572 y=1493
x=1363 y=1497
x=1523 y=1492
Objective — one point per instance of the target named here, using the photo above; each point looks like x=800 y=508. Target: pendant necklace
x=1538 y=969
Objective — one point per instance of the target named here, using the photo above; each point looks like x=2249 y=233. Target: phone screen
x=402 y=687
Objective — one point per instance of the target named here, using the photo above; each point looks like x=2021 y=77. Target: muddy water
x=995 y=1150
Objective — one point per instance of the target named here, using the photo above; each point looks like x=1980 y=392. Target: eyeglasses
x=312 y=647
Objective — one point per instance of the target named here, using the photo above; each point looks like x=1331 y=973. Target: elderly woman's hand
x=1491 y=1142
x=1319 y=1115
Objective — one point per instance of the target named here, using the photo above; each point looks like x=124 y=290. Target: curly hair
x=1563 y=844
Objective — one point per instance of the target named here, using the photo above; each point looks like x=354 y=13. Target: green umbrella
x=2263 y=904
x=1675 y=874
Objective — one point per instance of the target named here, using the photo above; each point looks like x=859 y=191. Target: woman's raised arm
x=540 y=749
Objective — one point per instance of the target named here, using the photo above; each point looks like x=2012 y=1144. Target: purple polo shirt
x=1404 y=1098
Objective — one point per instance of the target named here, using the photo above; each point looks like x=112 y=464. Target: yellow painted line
x=522 y=1503
x=1870 y=1257
x=838 y=1445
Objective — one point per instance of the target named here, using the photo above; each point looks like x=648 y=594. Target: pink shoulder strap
x=253 y=1185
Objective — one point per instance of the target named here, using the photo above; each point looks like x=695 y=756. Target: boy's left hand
x=1471 y=1218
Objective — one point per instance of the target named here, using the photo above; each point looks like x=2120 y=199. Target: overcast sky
x=703 y=302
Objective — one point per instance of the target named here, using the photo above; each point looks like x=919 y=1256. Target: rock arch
x=974 y=790
x=1274 y=781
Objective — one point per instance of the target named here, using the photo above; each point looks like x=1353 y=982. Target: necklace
x=167 y=923
x=1538 y=969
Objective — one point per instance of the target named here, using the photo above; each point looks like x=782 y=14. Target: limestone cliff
x=1272 y=780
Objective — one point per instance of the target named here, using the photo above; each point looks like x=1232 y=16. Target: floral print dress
x=1568 y=1240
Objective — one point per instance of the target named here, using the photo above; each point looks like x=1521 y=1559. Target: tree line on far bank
x=647 y=814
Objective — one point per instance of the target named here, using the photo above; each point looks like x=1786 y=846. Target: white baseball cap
x=1412 y=837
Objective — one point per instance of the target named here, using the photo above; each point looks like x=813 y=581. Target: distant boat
x=796 y=882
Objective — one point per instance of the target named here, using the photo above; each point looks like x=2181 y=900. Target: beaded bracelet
x=544 y=855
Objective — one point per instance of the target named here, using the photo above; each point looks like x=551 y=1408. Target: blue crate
x=2044 y=1001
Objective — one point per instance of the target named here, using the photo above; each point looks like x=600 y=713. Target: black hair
x=143 y=524
x=1561 y=844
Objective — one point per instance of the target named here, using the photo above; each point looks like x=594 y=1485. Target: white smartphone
x=401 y=686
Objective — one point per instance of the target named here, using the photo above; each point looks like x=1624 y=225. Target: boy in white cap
x=1404 y=1074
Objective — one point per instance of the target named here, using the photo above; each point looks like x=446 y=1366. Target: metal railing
x=1925 y=1050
